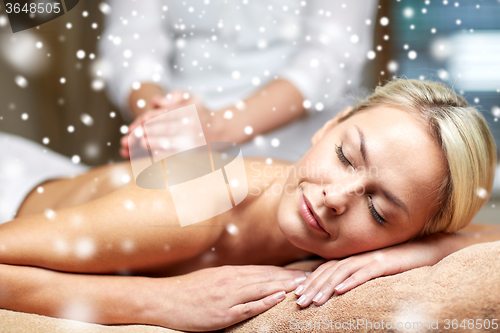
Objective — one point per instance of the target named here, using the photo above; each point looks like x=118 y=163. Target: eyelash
x=374 y=212
x=341 y=156
x=372 y=209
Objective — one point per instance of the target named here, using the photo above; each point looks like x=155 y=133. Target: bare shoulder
x=266 y=169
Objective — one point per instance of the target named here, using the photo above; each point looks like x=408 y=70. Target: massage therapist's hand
x=214 y=298
x=158 y=132
x=340 y=276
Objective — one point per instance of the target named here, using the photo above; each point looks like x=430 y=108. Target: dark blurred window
x=457 y=42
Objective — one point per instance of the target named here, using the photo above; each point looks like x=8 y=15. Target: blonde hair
x=466 y=141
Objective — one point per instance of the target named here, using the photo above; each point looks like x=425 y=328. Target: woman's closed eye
x=341 y=156
x=373 y=211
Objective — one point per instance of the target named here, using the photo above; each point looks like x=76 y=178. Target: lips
x=309 y=216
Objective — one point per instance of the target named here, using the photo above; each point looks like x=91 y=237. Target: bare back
x=136 y=230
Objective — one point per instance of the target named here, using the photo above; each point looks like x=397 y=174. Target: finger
x=171 y=103
x=253 y=269
x=173 y=120
x=142 y=119
x=150 y=115
x=328 y=280
x=160 y=143
x=256 y=269
x=260 y=273
x=162 y=153
x=124 y=153
x=241 y=312
x=183 y=103
x=131 y=139
x=304 y=285
x=363 y=275
x=176 y=96
x=133 y=125
x=332 y=284
x=166 y=129
x=124 y=141
x=280 y=274
x=158 y=101
x=166 y=138
x=256 y=291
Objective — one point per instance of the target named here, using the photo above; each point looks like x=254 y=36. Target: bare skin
x=74 y=197
x=104 y=227
x=274 y=105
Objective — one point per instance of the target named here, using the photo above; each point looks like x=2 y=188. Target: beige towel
x=464 y=285
x=18 y=322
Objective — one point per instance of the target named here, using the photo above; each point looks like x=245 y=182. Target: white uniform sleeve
x=331 y=50
x=135 y=46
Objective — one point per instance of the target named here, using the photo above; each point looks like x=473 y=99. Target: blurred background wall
x=50 y=88
x=51 y=91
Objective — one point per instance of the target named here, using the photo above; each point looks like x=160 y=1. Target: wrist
x=218 y=128
x=155 y=305
x=446 y=244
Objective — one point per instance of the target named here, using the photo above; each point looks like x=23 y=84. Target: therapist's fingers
x=171 y=99
x=159 y=130
x=124 y=153
x=145 y=117
x=138 y=122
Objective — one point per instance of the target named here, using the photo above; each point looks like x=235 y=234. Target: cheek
x=363 y=237
x=287 y=215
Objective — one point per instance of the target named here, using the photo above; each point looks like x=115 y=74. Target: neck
x=264 y=208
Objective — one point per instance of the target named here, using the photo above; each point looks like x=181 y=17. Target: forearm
x=146 y=92
x=274 y=105
x=472 y=234
x=91 y=298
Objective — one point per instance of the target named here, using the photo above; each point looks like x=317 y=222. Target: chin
x=291 y=227
x=294 y=229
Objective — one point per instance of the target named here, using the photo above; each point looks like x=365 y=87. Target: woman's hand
x=340 y=276
x=214 y=298
x=162 y=132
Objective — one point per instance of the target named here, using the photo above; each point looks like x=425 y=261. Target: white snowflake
x=232 y=229
x=80 y=54
x=21 y=81
x=75 y=159
x=86 y=119
x=85 y=248
x=248 y=130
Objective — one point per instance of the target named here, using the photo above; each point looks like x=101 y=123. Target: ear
x=329 y=124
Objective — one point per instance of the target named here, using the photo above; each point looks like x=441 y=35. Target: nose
x=338 y=197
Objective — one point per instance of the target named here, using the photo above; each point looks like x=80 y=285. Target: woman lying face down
x=409 y=163
x=411 y=160
x=370 y=182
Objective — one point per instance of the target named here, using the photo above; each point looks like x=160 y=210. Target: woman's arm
x=129 y=229
x=470 y=235
x=204 y=300
x=91 y=298
x=340 y=276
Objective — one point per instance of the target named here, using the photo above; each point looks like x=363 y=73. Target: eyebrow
x=388 y=195
x=362 y=144
x=396 y=201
